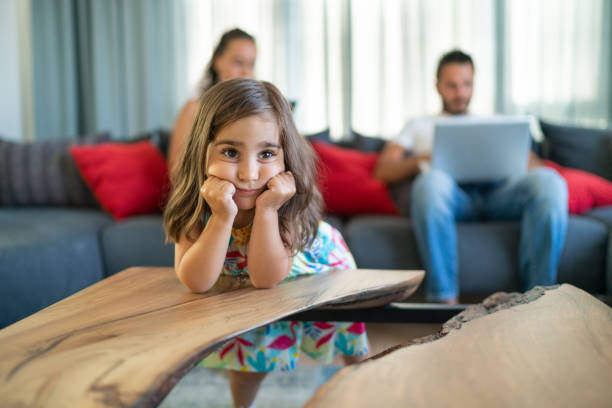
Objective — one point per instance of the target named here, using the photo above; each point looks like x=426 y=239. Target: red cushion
x=126 y=179
x=346 y=182
x=585 y=190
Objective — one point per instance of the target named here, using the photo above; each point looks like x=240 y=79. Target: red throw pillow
x=585 y=190
x=126 y=179
x=347 y=184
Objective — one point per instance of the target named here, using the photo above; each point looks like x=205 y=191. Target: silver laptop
x=481 y=149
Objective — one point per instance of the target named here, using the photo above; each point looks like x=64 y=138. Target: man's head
x=455 y=78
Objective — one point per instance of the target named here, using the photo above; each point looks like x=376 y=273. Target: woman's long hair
x=221 y=105
x=210 y=76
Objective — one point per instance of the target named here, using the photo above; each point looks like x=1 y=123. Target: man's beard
x=449 y=108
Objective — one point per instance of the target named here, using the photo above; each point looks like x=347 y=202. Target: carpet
x=204 y=387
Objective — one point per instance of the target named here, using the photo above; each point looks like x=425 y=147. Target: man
x=538 y=199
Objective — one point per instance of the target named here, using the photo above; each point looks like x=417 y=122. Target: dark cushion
x=603 y=214
x=488 y=252
x=356 y=141
x=335 y=221
x=361 y=142
x=382 y=242
x=368 y=143
x=136 y=241
x=43 y=173
x=46 y=254
x=580 y=148
x=159 y=138
x=322 y=136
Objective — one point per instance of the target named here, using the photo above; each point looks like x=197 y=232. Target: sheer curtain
x=557 y=61
x=369 y=65
x=299 y=49
x=362 y=65
x=395 y=50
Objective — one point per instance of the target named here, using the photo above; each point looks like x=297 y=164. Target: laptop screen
x=481 y=149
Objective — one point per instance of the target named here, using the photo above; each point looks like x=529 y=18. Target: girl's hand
x=280 y=189
x=219 y=195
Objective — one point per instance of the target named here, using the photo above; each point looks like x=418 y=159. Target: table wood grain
x=125 y=341
x=555 y=351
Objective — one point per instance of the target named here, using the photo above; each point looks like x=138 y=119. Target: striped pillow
x=43 y=173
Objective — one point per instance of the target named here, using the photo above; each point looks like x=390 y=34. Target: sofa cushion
x=603 y=214
x=495 y=256
x=46 y=254
x=382 y=242
x=127 y=179
x=43 y=173
x=136 y=241
x=322 y=136
x=160 y=138
x=488 y=252
x=580 y=148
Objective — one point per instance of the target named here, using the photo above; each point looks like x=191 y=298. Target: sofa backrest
x=580 y=148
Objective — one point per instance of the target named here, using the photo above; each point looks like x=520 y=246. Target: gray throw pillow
x=41 y=173
x=580 y=148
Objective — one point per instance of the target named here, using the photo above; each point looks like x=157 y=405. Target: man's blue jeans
x=538 y=199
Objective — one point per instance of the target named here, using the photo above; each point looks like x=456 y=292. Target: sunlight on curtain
x=554 y=65
x=396 y=46
x=363 y=65
x=369 y=65
x=293 y=39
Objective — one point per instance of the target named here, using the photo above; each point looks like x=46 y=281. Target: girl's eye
x=230 y=153
x=268 y=154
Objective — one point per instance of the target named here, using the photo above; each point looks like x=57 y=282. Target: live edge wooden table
x=125 y=341
x=545 y=348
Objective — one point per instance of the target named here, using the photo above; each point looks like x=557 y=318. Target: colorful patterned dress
x=277 y=346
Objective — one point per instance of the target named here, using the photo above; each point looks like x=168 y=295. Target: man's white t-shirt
x=418 y=134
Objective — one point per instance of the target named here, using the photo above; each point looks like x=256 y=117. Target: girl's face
x=247 y=153
x=237 y=61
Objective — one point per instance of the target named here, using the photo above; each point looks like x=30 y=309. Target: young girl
x=245 y=204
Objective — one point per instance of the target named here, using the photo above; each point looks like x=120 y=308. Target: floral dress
x=277 y=346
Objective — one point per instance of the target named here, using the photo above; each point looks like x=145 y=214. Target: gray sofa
x=48 y=253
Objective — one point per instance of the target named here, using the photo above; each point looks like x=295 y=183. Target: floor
x=208 y=388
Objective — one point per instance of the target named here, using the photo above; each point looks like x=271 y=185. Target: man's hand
x=219 y=194
x=280 y=189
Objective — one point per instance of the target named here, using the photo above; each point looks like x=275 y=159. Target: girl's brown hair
x=221 y=105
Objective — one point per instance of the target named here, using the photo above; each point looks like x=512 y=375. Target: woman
x=234 y=57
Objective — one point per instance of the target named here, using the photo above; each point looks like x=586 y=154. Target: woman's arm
x=198 y=264
x=392 y=166
x=180 y=131
x=268 y=259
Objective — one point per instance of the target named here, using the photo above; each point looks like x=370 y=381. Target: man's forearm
x=397 y=170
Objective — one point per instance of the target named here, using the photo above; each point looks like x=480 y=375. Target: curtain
x=350 y=65
x=557 y=63
x=395 y=50
x=299 y=49
x=105 y=65
x=548 y=58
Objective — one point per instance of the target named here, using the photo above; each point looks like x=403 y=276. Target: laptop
x=481 y=149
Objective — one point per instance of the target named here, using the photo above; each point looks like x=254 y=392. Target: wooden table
x=548 y=349
x=126 y=340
